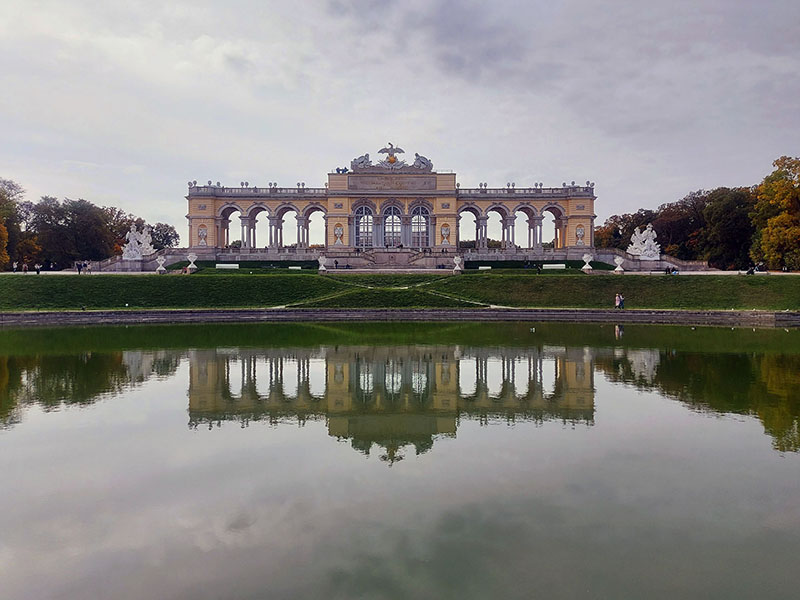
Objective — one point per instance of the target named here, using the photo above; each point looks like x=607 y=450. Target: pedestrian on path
x=617 y=301
x=621 y=301
x=24 y=268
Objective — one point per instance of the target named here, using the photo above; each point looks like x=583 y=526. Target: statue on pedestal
x=643 y=244
x=138 y=245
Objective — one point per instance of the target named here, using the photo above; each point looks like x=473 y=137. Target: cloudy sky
x=122 y=102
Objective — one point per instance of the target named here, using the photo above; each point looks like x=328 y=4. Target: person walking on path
x=621 y=301
x=14 y=266
x=38 y=268
x=617 y=301
x=24 y=268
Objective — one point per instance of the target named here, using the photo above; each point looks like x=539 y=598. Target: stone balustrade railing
x=211 y=190
x=238 y=192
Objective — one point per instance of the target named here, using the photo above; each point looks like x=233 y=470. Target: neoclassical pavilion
x=392 y=204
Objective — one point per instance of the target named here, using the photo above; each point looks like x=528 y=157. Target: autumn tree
x=776 y=216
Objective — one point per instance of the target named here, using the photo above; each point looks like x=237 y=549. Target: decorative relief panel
x=445 y=205
x=338 y=205
x=390 y=182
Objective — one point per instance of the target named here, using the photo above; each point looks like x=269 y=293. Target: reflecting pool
x=510 y=460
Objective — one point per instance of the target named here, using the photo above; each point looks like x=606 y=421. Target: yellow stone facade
x=389 y=205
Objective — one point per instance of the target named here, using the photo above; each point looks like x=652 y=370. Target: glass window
x=419 y=227
x=391 y=227
x=363 y=227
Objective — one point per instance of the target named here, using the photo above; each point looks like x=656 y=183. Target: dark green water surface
x=442 y=460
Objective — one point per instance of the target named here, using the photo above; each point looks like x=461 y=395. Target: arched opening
x=554 y=227
x=230 y=228
x=496 y=232
x=259 y=224
x=286 y=227
x=263 y=374
x=315 y=228
x=467 y=377
x=468 y=234
x=494 y=376
x=363 y=225
x=235 y=377
x=317 y=375
x=525 y=227
x=392 y=227
x=291 y=377
x=420 y=227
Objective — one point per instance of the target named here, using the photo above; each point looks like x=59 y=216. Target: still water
x=385 y=461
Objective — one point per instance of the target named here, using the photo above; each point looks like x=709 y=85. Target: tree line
x=57 y=233
x=731 y=228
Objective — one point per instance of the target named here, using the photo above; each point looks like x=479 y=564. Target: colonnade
x=508 y=231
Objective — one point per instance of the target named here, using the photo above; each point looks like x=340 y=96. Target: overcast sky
x=123 y=102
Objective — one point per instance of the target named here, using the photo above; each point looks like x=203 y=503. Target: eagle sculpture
x=391 y=150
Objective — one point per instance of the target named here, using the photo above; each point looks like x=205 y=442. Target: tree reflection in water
x=395 y=397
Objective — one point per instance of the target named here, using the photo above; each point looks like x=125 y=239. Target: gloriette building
x=392 y=211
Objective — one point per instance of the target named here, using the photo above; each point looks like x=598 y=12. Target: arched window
x=419 y=227
x=391 y=227
x=363 y=227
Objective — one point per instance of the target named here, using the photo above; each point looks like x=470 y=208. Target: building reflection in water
x=391 y=396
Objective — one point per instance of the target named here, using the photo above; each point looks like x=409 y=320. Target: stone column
x=377 y=231
x=243 y=219
x=537 y=233
x=481 y=239
x=405 y=230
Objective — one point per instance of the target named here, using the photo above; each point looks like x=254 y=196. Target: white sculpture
x=202 y=236
x=360 y=162
x=338 y=232
x=445 y=235
x=191 y=257
x=587 y=258
x=138 y=244
x=457 y=269
x=421 y=162
x=643 y=244
x=322 y=260
x=618 y=260
x=161 y=260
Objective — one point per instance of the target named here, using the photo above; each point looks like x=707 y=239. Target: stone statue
x=202 y=236
x=361 y=162
x=146 y=242
x=580 y=233
x=138 y=244
x=643 y=244
x=338 y=232
x=132 y=250
x=458 y=268
x=445 y=235
x=618 y=260
x=322 y=260
x=422 y=163
x=587 y=258
x=191 y=257
x=160 y=269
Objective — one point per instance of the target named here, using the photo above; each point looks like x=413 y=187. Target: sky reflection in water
x=400 y=470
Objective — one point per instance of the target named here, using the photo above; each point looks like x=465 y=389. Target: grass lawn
x=657 y=291
x=227 y=290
